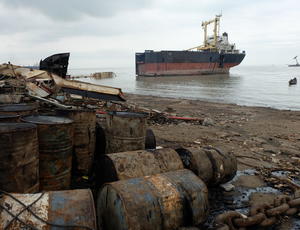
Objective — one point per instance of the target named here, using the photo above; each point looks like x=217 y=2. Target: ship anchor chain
x=261 y=215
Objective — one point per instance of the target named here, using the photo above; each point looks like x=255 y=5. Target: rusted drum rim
x=15 y=127
x=46 y=120
x=3 y=116
x=17 y=107
x=128 y=114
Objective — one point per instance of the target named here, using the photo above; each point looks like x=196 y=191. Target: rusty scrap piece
x=210 y=164
x=125 y=131
x=73 y=209
x=263 y=215
x=19 y=157
x=133 y=164
x=150 y=142
x=84 y=138
x=89 y=90
x=163 y=201
x=55 y=136
x=102 y=75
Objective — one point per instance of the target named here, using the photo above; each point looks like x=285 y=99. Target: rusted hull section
x=72 y=208
x=173 y=69
x=57 y=64
x=55 y=135
x=126 y=165
x=84 y=138
x=212 y=165
x=19 y=158
x=126 y=131
x=164 y=201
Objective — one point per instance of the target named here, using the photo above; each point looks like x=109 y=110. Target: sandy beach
x=263 y=139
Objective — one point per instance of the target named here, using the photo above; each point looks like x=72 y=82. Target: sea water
x=265 y=86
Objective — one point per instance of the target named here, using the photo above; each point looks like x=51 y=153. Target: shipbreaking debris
x=43 y=84
x=57 y=64
x=102 y=75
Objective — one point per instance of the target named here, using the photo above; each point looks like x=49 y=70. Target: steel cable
x=36 y=216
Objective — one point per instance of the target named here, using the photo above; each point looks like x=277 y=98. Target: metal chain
x=262 y=215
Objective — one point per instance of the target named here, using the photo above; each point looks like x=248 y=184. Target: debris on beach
x=102 y=75
x=44 y=85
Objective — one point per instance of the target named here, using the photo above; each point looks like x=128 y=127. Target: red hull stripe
x=182 y=68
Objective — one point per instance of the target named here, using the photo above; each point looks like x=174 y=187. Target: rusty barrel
x=19 y=158
x=163 y=201
x=126 y=131
x=55 y=135
x=60 y=208
x=84 y=137
x=9 y=118
x=18 y=109
x=212 y=165
x=133 y=164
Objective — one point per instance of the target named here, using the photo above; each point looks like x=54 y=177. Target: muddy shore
x=265 y=141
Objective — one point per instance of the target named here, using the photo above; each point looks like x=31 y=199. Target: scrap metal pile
x=17 y=81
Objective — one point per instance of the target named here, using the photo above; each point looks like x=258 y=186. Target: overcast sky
x=107 y=33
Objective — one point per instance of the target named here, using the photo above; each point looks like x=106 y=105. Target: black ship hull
x=164 y=63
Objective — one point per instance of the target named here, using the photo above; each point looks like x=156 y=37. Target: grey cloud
x=75 y=9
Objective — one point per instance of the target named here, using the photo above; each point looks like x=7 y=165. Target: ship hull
x=170 y=63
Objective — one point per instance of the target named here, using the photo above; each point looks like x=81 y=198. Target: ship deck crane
x=216 y=32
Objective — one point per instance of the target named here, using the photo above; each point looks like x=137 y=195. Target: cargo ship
x=215 y=56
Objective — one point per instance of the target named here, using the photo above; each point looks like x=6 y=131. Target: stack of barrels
x=154 y=189
x=37 y=154
x=140 y=189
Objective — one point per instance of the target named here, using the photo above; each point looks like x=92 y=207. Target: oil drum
x=163 y=201
x=71 y=209
x=212 y=165
x=126 y=131
x=133 y=164
x=19 y=158
x=55 y=135
x=84 y=137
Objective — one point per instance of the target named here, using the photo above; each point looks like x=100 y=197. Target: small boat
x=297 y=64
x=293 y=81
